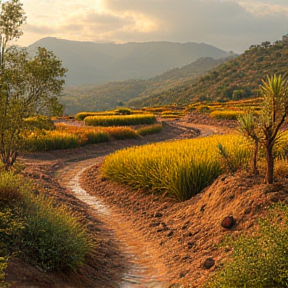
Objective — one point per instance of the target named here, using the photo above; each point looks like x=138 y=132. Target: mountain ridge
x=114 y=94
x=98 y=63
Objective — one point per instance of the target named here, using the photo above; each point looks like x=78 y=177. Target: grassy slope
x=109 y=96
x=243 y=72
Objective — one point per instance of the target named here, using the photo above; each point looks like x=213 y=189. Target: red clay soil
x=168 y=238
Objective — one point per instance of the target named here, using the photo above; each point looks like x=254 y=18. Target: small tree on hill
x=265 y=128
x=28 y=85
x=274 y=111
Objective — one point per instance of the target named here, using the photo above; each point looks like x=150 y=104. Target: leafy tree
x=28 y=85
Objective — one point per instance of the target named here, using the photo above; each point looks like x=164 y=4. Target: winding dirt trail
x=144 y=266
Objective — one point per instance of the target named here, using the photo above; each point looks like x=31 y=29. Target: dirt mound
x=187 y=234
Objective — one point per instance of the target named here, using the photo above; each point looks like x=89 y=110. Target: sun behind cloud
x=226 y=24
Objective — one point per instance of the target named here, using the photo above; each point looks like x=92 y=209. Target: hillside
x=242 y=74
x=98 y=63
x=109 y=96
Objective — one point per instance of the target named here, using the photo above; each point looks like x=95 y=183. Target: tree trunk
x=255 y=156
x=270 y=164
x=8 y=159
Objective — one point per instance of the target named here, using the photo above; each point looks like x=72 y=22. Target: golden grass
x=120 y=120
x=226 y=114
x=180 y=169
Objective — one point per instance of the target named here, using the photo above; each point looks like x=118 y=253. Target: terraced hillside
x=235 y=79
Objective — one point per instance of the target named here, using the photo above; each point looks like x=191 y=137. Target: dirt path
x=144 y=265
x=145 y=269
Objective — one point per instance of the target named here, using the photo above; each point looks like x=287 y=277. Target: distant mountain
x=239 y=77
x=98 y=63
x=113 y=94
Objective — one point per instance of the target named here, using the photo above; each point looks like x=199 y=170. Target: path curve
x=141 y=258
x=145 y=268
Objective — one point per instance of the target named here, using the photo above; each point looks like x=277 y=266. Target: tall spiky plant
x=265 y=128
x=274 y=111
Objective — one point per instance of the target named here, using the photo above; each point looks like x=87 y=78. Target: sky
x=231 y=25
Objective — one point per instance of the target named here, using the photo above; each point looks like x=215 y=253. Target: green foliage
x=260 y=260
x=3 y=266
x=180 y=169
x=11 y=229
x=36 y=229
x=152 y=129
x=11 y=188
x=120 y=120
x=123 y=111
x=12 y=17
x=238 y=94
x=28 y=85
x=53 y=237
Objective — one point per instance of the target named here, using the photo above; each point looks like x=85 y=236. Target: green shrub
x=149 y=130
x=12 y=225
x=260 y=260
x=123 y=111
x=3 y=266
x=238 y=94
x=53 y=237
x=37 y=230
x=82 y=115
x=11 y=188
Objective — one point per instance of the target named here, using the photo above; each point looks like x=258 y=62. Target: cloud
x=227 y=24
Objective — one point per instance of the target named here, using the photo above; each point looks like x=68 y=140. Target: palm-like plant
x=274 y=111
